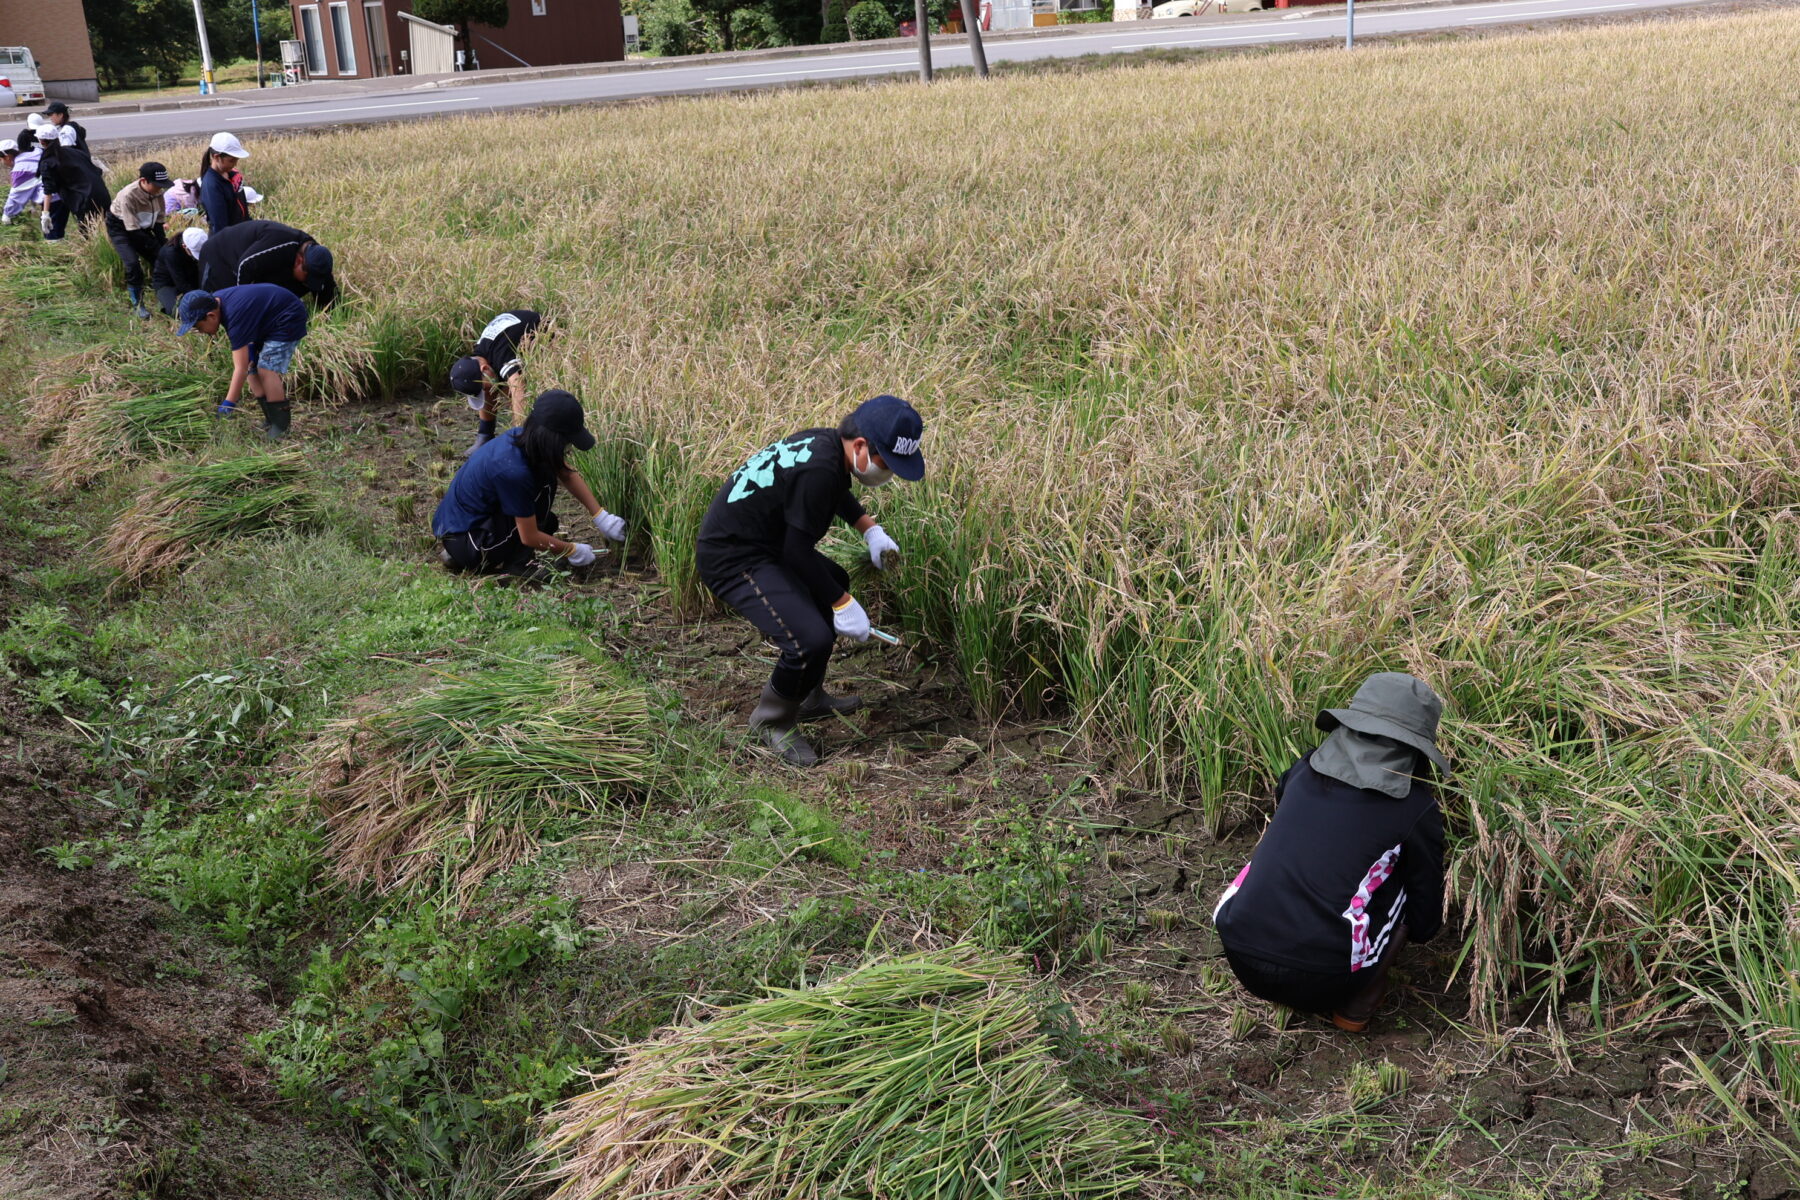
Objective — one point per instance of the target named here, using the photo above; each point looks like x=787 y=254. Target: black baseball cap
x=560 y=412
x=894 y=428
x=318 y=267
x=156 y=173
x=56 y=108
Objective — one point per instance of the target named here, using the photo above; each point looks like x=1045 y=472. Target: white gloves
x=610 y=525
x=850 y=619
x=880 y=544
x=581 y=555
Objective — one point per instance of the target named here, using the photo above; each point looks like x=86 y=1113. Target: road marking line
x=812 y=71
x=319 y=112
x=1555 y=12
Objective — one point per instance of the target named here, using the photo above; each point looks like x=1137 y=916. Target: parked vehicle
x=6 y=93
x=19 y=72
x=1199 y=8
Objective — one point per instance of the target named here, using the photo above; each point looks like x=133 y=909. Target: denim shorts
x=275 y=356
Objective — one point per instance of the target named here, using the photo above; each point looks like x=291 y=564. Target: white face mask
x=870 y=475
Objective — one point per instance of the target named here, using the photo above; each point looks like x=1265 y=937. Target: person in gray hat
x=1351 y=866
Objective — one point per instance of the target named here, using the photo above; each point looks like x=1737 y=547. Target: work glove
x=226 y=408
x=850 y=619
x=610 y=525
x=880 y=545
x=581 y=555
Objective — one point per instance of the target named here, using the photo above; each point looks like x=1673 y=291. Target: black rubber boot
x=280 y=417
x=774 y=718
x=823 y=704
x=137 y=303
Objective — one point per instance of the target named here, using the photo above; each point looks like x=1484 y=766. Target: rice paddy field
x=1242 y=378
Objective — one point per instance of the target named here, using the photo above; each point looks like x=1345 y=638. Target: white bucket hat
x=227 y=143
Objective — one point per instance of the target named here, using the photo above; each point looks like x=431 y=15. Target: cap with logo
x=227 y=143
x=560 y=412
x=156 y=173
x=194 y=307
x=893 y=427
x=318 y=267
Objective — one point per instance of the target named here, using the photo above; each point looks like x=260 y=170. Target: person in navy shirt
x=498 y=511
x=264 y=322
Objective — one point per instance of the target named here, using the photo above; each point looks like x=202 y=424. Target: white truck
x=18 y=71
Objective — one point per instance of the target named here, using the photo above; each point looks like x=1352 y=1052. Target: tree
x=129 y=37
x=834 y=30
x=869 y=20
x=463 y=13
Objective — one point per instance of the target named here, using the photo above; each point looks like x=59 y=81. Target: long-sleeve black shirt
x=1337 y=869
x=258 y=252
x=175 y=268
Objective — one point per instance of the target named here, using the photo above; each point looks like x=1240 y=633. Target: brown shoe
x=1350 y=1024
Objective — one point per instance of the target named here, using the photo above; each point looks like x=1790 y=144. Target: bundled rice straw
x=459 y=779
x=921 y=1076
x=202 y=504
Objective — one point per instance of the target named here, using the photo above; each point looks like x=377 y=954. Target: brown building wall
x=566 y=31
x=56 y=31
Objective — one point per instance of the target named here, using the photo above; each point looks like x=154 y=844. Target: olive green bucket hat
x=1394 y=705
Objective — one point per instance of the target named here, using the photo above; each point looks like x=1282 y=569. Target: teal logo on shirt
x=759 y=472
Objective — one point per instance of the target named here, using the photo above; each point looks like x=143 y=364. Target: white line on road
x=813 y=71
x=1555 y=12
x=320 y=112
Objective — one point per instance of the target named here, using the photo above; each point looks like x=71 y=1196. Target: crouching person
x=1351 y=866
x=758 y=553
x=264 y=324
x=498 y=512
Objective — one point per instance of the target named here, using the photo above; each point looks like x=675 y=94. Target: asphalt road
x=409 y=100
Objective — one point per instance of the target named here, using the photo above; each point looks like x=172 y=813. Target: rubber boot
x=774 y=718
x=137 y=303
x=820 y=703
x=262 y=406
x=280 y=417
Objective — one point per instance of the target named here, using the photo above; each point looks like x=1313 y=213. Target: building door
x=375 y=21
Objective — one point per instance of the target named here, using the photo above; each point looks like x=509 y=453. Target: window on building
x=314 y=37
x=342 y=39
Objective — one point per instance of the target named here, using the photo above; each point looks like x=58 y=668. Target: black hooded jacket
x=259 y=252
x=175 y=268
x=1337 y=869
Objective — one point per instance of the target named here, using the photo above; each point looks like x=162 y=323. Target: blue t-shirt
x=254 y=313
x=495 y=482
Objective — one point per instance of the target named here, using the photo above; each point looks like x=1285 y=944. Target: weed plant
x=926 y=1075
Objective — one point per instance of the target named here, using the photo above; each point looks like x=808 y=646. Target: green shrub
x=835 y=29
x=672 y=27
x=870 y=19
x=755 y=29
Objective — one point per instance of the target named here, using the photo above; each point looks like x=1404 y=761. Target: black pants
x=169 y=299
x=135 y=246
x=59 y=219
x=1302 y=991
x=773 y=599
x=493 y=547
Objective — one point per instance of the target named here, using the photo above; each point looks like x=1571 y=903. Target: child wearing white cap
x=221 y=188
x=23 y=189
x=177 y=269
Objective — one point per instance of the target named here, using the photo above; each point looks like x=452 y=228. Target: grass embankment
x=1471 y=360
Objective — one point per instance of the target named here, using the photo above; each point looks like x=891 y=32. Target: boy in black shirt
x=1351 y=866
x=496 y=359
x=758 y=553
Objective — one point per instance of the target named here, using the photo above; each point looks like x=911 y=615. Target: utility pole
x=1350 y=25
x=972 y=23
x=206 y=68
x=924 y=20
x=256 y=32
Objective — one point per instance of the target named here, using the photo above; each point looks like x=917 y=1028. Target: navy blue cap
x=465 y=374
x=893 y=427
x=560 y=411
x=194 y=307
